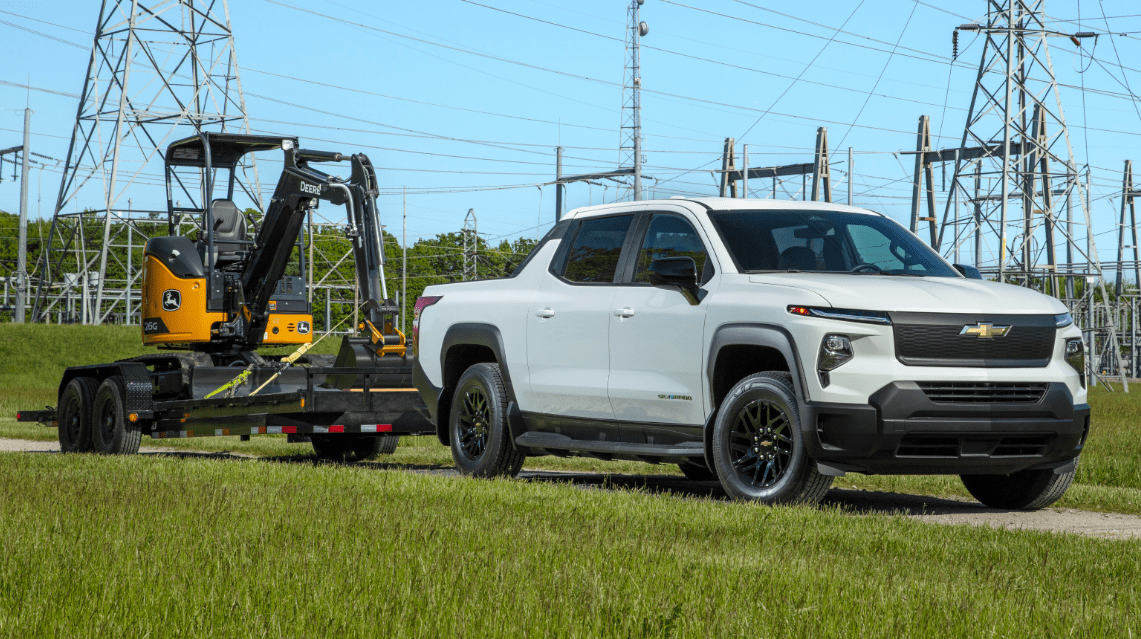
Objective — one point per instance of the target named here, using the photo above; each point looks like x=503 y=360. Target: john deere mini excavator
x=212 y=297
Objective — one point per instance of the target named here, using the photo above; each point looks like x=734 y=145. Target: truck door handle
x=624 y=312
x=544 y=313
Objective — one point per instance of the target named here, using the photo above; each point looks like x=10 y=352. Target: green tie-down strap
x=233 y=384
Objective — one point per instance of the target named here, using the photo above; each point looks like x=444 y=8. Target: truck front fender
x=768 y=336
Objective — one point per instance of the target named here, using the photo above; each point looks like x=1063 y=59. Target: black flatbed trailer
x=300 y=401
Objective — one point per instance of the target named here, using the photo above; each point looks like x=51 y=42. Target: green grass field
x=172 y=546
x=154 y=546
x=32 y=358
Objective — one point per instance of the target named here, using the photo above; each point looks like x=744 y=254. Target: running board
x=554 y=441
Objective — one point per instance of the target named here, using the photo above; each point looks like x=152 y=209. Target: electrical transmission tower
x=471 y=246
x=159 y=71
x=630 y=145
x=1015 y=176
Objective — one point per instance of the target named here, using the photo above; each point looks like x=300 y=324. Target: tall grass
x=138 y=546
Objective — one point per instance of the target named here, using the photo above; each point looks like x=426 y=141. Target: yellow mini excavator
x=224 y=291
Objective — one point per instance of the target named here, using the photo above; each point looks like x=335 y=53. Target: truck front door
x=656 y=338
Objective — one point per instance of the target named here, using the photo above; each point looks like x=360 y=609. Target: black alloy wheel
x=760 y=444
x=478 y=433
x=759 y=452
x=475 y=415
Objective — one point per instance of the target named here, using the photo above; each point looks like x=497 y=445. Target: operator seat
x=229 y=233
x=800 y=258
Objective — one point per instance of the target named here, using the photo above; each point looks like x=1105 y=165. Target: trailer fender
x=136 y=383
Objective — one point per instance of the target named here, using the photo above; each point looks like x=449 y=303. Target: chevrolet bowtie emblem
x=985 y=330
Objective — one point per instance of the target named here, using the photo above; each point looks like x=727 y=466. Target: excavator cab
x=188 y=273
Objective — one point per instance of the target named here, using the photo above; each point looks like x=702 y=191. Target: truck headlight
x=1076 y=357
x=835 y=351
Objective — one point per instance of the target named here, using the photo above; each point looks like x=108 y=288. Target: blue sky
x=400 y=82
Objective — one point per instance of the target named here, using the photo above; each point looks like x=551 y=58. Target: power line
x=699 y=58
x=882 y=71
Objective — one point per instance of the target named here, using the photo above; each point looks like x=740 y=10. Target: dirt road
x=929 y=509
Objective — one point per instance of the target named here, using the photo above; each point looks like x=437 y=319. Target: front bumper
x=901 y=431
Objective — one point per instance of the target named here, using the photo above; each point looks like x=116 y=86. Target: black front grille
x=929 y=339
x=983 y=392
x=1028 y=446
x=973 y=445
x=928 y=446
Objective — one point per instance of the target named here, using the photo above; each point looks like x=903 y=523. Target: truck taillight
x=421 y=304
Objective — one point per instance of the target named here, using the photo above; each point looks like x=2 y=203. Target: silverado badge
x=985 y=330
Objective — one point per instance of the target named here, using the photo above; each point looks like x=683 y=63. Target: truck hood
x=917 y=294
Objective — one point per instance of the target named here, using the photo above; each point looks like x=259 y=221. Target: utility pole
x=22 y=255
x=558 y=184
x=404 y=268
x=745 y=173
x=851 y=173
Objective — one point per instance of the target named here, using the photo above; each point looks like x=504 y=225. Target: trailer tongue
x=221 y=296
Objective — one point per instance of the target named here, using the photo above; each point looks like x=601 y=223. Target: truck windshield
x=825 y=241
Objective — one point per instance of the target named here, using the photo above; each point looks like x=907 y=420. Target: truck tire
x=758 y=448
x=112 y=432
x=75 y=411
x=1024 y=490
x=697 y=472
x=480 y=439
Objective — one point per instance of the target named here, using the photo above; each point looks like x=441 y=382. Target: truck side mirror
x=676 y=271
x=968 y=272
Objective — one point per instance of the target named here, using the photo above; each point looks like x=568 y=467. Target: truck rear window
x=597 y=246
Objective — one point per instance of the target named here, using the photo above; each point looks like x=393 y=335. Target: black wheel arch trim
x=757 y=334
x=463 y=334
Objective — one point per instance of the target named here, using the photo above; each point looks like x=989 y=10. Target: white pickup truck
x=771 y=345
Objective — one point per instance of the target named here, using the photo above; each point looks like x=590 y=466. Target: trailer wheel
x=75 y=411
x=352 y=448
x=366 y=447
x=477 y=423
x=330 y=447
x=112 y=432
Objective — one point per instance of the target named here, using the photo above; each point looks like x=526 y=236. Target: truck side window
x=597 y=246
x=672 y=236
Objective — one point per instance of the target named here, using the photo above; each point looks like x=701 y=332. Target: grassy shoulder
x=249 y=548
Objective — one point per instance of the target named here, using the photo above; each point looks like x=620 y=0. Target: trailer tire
x=112 y=432
x=477 y=425
x=388 y=444
x=75 y=411
x=330 y=447
x=367 y=447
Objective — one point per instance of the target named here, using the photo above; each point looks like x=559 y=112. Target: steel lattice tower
x=1016 y=182
x=630 y=145
x=159 y=71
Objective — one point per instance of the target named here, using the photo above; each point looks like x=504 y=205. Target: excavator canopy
x=226 y=149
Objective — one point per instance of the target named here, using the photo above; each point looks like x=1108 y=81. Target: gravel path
x=930 y=509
